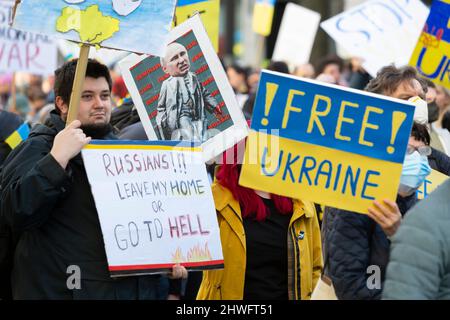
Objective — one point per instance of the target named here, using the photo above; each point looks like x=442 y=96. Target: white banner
x=155 y=206
x=24 y=51
x=296 y=36
x=381 y=32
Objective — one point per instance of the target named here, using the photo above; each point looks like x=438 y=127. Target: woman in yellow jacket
x=271 y=244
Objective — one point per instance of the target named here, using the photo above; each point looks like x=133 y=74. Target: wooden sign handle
x=80 y=74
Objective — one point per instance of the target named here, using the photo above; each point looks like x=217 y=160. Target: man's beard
x=96 y=131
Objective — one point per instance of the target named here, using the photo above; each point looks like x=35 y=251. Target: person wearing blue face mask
x=354 y=243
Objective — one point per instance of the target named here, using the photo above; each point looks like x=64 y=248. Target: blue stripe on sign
x=188 y=2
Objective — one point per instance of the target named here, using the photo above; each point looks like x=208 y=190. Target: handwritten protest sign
x=138 y=26
x=185 y=95
x=332 y=145
x=296 y=36
x=380 y=32
x=155 y=206
x=434 y=180
x=263 y=16
x=24 y=51
x=209 y=11
x=431 y=56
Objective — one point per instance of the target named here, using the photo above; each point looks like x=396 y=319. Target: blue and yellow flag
x=431 y=56
x=18 y=136
x=263 y=16
x=209 y=11
x=327 y=144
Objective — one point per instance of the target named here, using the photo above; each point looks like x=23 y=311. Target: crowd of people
x=274 y=248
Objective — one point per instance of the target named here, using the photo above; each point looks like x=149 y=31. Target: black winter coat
x=351 y=243
x=53 y=212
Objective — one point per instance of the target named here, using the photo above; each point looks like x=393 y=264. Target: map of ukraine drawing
x=139 y=26
x=90 y=24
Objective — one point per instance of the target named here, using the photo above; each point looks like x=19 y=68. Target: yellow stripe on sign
x=14 y=140
x=209 y=13
x=139 y=147
x=319 y=174
x=432 y=58
x=262 y=18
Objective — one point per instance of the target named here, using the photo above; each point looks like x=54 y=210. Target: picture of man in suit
x=183 y=101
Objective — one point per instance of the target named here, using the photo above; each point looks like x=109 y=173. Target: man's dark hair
x=66 y=73
x=420 y=133
x=331 y=59
x=389 y=78
x=446 y=120
x=278 y=66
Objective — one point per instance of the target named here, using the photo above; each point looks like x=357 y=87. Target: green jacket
x=419 y=266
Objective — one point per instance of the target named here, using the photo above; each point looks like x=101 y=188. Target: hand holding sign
x=387 y=215
x=68 y=143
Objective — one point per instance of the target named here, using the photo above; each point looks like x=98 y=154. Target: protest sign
x=71 y=50
x=137 y=26
x=434 y=180
x=431 y=56
x=381 y=32
x=187 y=97
x=155 y=206
x=24 y=51
x=263 y=16
x=296 y=36
x=209 y=11
x=332 y=145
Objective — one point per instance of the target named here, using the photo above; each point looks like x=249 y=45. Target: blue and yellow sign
x=209 y=11
x=434 y=180
x=431 y=56
x=263 y=16
x=332 y=145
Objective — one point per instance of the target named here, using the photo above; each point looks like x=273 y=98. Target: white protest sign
x=24 y=51
x=155 y=206
x=296 y=36
x=381 y=32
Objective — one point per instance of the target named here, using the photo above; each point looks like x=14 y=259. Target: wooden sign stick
x=80 y=74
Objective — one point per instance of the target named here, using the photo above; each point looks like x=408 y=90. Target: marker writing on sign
x=321 y=110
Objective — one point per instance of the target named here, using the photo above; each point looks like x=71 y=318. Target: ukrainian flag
x=18 y=136
x=263 y=16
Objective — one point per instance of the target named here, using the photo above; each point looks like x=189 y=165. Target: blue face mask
x=415 y=170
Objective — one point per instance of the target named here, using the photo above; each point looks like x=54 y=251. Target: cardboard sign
x=431 y=56
x=138 y=26
x=209 y=11
x=155 y=206
x=71 y=50
x=324 y=143
x=434 y=180
x=381 y=32
x=187 y=97
x=24 y=51
x=263 y=16
x=296 y=36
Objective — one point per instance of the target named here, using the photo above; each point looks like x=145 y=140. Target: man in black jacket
x=47 y=202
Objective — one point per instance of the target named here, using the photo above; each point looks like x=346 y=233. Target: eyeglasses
x=423 y=150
